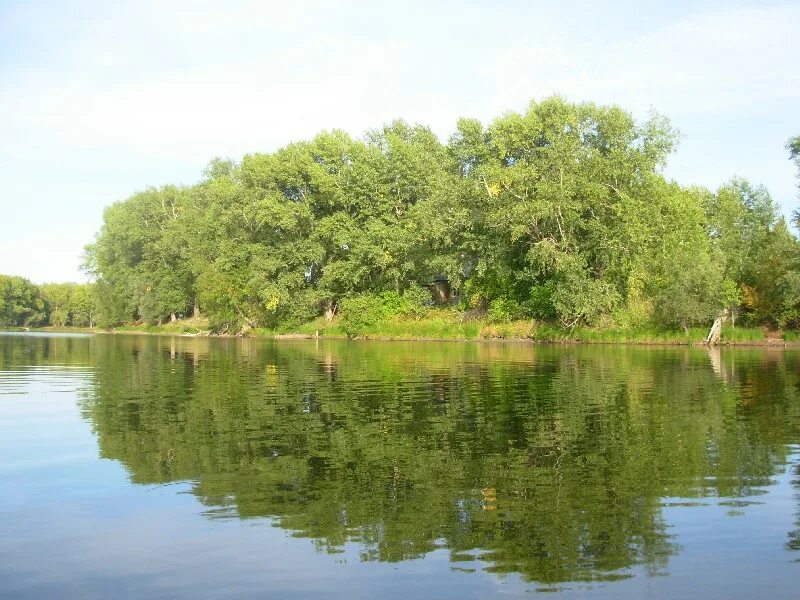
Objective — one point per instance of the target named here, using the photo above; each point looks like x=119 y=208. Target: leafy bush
x=691 y=294
x=578 y=298
x=417 y=300
x=392 y=302
x=540 y=303
x=504 y=310
x=788 y=288
x=361 y=314
x=412 y=302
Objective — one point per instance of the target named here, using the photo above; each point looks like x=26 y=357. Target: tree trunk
x=172 y=317
x=196 y=310
x=330 y=311
x=716 y=332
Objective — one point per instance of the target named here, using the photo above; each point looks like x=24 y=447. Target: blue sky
x=101 y=99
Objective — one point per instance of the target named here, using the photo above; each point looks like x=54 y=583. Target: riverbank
x=449 y=326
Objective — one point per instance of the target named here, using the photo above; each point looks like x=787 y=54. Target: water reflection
x=557 y=464
x=794 y=535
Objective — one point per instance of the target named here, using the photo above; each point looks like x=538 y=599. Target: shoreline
x=772 y=343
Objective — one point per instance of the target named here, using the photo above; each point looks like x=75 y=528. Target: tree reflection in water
x=550 y=462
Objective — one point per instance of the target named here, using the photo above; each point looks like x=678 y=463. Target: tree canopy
x=560 y=213
x=25 y=304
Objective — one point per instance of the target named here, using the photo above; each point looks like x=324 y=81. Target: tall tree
x=21 y=303
x=794 y=153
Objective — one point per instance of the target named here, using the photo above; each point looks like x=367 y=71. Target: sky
x=99 y=100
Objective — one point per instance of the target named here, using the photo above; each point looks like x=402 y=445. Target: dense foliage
x=25 y=304
x=21 y=302
x=559 y=214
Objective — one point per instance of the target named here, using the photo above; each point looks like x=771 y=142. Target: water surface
x=184 y=467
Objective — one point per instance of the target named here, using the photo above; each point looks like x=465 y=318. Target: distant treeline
x=25 y=304
x=558 y=214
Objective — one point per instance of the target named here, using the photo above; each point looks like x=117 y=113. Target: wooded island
x=558 y=217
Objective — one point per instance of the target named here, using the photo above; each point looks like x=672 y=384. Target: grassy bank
x=445 y=324
x=193 y=326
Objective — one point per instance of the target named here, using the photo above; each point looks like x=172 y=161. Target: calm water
x=179 y=467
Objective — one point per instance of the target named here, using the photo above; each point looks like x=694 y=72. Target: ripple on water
x=576 y=468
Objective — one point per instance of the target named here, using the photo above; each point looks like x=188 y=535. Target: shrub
x=578 y=298
x=417 y=299
x=540 y=302
x=788 y=288
x=392 y=302
x=361 y=314
x=504 y=310
x=412 y=302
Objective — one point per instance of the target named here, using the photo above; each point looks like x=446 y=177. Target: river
x=172 y=467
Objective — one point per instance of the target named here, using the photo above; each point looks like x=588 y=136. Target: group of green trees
x=558 y=214
x=25 y=304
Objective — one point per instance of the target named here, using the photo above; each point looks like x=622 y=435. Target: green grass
x=438 y=324
x=638 y=335
x=740 y=335
x=544 y=332
x=449 y=324
x=191 y=326
x=427 y=329
x=446 y=324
